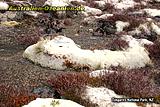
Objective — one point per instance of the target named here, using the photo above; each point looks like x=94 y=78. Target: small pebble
x=90 y=30
x=76 y=34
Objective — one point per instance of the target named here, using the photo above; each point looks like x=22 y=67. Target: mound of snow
x=155 y=28
x=56 y=3
x=92 y=19
x=4 y=6
x=121 y=4
x=99 y=4
x=61 y=53
x=120 y=25
x=91 y=11
x=152 y=12
x=103 y=97
x=157 y=0
x=50 y=102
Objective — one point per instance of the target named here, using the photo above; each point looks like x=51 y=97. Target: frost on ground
x=61 y=53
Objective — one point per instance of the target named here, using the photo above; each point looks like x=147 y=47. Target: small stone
x=76 y=34
x=90 y=30
x=68 y=22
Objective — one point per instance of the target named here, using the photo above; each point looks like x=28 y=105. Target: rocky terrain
x=101 y=25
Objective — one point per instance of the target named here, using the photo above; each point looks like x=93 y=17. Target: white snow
x=100 y=4
x=60 y=51
x=56 y=3
x=92 y=19
x=80 y=1
x=50 y=102
x=92 y=11
x=121 y=4
x=147 y=27
x=4 y=6
x=103 y=97
x=120 y=25
x=152 y=12
x=125 y=4
x=105 y=16
x=155 y=28
x=157 y=0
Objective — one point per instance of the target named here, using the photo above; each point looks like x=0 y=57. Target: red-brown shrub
x=28 y=39
x=13 y=97
x=117 y=44
x=69 y=82
x=132 y=83
x=154 y=50
x=71 y=86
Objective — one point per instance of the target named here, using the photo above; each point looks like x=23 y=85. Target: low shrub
x=133 y=83
x=117 y=44
x=71 y=86
x=27 y=39
x=13 y=97
x=154 y=50
x=70 y=82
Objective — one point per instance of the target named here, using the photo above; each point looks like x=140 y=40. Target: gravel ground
x=17 y=71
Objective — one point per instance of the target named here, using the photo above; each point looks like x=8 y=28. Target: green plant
x=54 y=103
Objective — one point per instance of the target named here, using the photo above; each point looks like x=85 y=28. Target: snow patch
x=92 y=19
x=99 y=4
x=56 y=3
x=50 y=102
x=121 y=4
x=152 y=12
x=61 y=53
x=103 y=97
x=157 y=0
x=120 y=25
x=4 y=6
x=155 y=28
x=92 y=11
x=147 y=27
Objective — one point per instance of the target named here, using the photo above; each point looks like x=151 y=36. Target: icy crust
x=61 y=52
